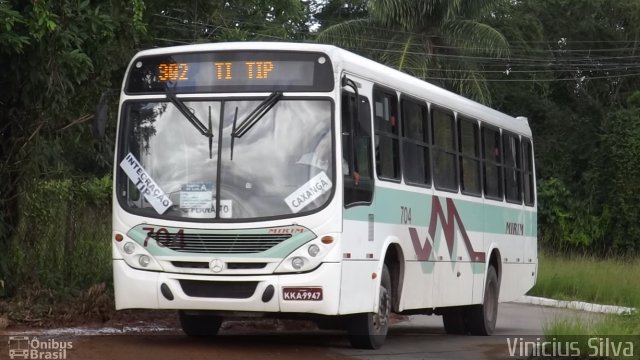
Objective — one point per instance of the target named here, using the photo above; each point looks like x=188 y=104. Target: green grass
x=623 y=330
x=601 y=281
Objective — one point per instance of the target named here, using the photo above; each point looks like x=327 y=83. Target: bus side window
x=527 y=157
x=468 y=136
x=362 y=192
x=385 y=106
x=415 y=143
x=492 y=163
x=512 y=167
x=444 y=150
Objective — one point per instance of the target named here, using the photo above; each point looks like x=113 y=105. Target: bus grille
x=219 y=289
x=227 y=243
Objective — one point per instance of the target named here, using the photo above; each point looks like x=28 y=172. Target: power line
x=581 y=65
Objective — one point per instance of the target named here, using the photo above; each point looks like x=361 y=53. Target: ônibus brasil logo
x=25 y=347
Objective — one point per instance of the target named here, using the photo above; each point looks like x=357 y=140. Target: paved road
x=423 y=337
x=416 y=337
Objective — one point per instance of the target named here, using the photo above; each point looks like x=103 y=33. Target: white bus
x=284 y=179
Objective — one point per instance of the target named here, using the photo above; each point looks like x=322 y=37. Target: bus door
x=356 y=146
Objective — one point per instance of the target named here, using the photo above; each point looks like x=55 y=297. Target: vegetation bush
x=63 y=239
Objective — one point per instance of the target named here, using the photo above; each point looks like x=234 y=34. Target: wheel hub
x=381 y=318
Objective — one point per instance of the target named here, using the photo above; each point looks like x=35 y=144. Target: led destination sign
x=231 y=72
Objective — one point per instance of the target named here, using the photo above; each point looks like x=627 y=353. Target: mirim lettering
x=515 y=228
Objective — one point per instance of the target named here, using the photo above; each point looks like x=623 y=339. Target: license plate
x=302 y=293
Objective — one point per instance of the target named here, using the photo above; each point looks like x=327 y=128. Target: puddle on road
x=96 y=331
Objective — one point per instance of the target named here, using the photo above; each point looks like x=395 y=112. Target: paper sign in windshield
x=226 y=210
x=196 y=196
x=151 y=191
x=309 y=192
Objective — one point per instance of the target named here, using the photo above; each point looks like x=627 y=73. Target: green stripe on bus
x=476 y=217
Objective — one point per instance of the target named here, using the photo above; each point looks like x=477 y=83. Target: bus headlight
x=307 y=257
x=313 y=250
x=144 y=260
x=136 y=255
x=129 y=248
x=297 y=262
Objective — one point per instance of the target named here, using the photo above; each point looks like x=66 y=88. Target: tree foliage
x=171 y=23
x=427 y=39
x=577 y=87
x=570 y=66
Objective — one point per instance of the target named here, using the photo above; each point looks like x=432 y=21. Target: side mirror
x=100 y=117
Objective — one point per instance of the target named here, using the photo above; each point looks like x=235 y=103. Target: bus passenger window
x=386 y=135
x=512 y=168
x=527 y=156
x=492 y=163
x=415 y=143
x=444 y=150
x=469 y=157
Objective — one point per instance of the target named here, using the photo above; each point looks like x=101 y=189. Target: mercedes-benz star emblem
x=216 y=265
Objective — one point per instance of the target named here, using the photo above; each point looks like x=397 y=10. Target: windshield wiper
x=210 y=136
x=233 y=131
x=261 y=110
x=202 y=129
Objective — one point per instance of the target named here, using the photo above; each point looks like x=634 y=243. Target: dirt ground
x=160 y=338
x=156 y=335
x=158 y=347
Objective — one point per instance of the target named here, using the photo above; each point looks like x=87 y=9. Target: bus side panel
x=358 y=289
x=517 y=279
x=531 y=242
x=417 y=290
x=508 y=227
x=403 y=216
x=458 y=277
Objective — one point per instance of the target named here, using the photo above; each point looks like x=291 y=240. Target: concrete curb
x=576 y=305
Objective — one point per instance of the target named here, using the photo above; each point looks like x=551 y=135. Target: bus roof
x=376 y=73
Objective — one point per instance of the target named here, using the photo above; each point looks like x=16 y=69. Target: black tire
x=482 y=318
x=454 y=321
x=199 y=325
x=369 y=330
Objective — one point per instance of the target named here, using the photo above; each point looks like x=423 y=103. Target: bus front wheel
x=368 y=330
x=199 y=325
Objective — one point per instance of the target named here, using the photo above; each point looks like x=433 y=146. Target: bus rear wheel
x=199 y=325
x=482 y=318
x=369 y=330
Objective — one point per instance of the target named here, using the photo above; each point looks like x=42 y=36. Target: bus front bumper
x=316 y=292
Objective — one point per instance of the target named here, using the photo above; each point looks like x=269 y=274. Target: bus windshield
x=283 y=166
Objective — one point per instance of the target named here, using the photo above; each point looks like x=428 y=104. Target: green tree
x=572 y=67
x=57 y=57
x=332 y=12
x=171 y=23
x=614 y=179
x=433 y=40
